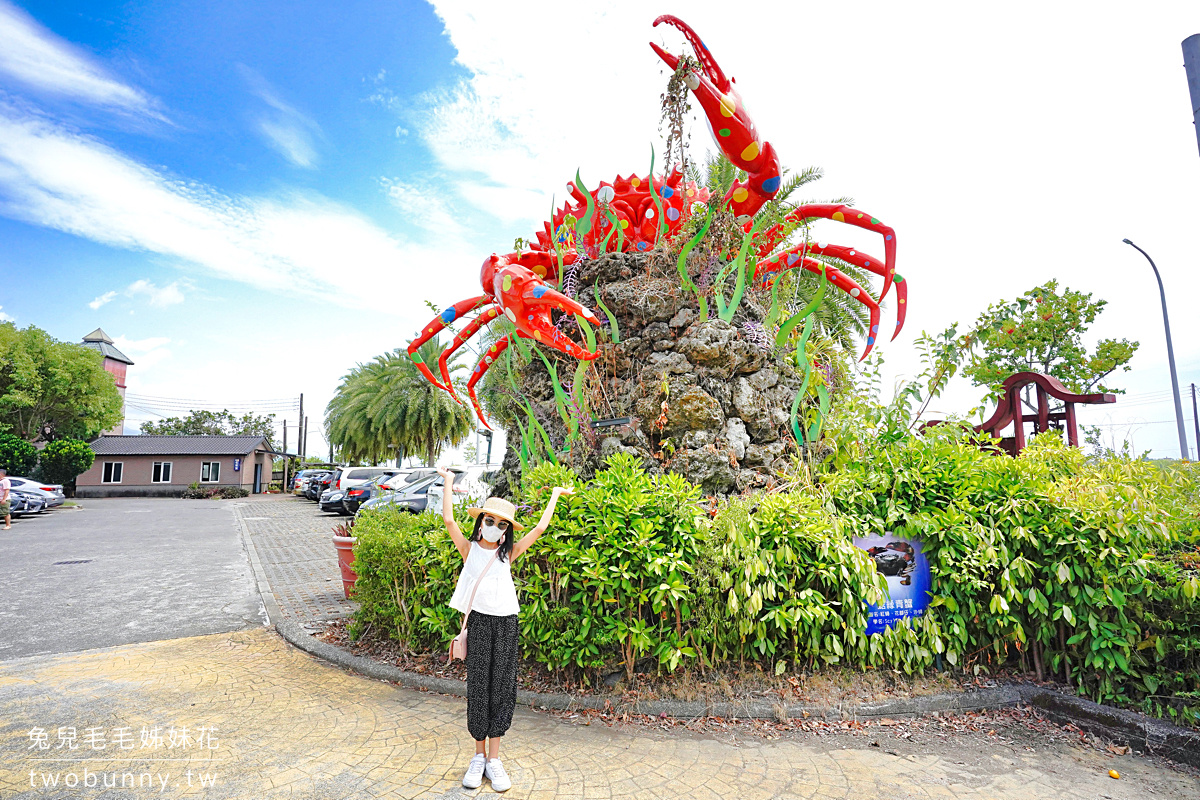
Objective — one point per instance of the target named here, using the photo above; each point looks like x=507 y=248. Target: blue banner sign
x=900 y=560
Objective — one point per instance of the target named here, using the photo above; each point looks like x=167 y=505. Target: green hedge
x=1088 y=568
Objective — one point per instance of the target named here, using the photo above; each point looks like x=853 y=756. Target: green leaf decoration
x=614 y=329
x=584 y=226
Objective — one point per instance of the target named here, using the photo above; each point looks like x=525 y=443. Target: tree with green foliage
x=17 y=456
x=214 y=423
x=62 y=460
x=386 y=408
x=1042 y=331
x=50 y=389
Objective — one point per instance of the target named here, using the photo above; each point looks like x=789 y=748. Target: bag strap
x=478 y=581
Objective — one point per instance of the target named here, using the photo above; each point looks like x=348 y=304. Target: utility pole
x=287 y=462
x=304 y=452
x=1196 y=421
x=1191 y=65
x=1183 y=445
x=300 y=438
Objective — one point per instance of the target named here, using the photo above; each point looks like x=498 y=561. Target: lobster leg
x=466 y=333
x=791 y=260
x=535 y=305
x=543 y=295
x=852 y=216
x=485 y=361
x=434 y=327
x=868 y=262
x=731 y=125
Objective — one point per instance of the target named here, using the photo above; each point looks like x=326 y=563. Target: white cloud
x=302 y=243
x=37 y=58
x=423 y=207
x=107 y=297
x=144 y=352
x=285 y=129
x=5 y=317
x=168 y=295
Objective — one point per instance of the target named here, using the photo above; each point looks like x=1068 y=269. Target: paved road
x=158 y=568
x=291 y=540
x=289 y=726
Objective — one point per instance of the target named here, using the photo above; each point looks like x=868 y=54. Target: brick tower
x=115 y=362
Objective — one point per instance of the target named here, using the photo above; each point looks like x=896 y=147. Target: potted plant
x=343 y=540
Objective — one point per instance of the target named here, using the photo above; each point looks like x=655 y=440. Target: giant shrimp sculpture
x=633 y=214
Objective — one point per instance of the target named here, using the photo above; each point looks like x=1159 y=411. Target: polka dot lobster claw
x=515 y=287
x=735 y=134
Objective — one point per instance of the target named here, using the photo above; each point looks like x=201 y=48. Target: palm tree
x=387 y=404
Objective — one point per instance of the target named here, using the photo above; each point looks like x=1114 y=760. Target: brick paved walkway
x=290 y=726
x=292 y=544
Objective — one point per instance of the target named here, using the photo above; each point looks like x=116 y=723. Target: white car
x=471 y=484
x=353 y=476
x=52 y=493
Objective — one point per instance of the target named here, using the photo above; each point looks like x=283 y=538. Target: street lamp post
x=1183 y=445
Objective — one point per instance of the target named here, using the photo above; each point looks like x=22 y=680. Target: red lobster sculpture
x=628 y=218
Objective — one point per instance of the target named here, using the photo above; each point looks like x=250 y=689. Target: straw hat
x=498 y=508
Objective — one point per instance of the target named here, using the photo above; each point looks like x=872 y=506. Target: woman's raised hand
x=560 y=490
x=446 y=474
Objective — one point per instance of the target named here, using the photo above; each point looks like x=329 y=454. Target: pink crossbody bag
x=458 y=645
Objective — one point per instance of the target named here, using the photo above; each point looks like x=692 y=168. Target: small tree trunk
x=1062 y=644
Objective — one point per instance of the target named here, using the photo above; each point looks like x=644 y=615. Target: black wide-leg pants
x=491 y=674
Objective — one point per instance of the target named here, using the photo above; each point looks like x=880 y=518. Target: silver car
x=52 y=493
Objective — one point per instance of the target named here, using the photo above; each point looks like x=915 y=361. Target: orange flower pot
x=345 y=554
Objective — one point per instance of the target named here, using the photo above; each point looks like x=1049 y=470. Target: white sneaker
x=496 y=774
x=474 y=776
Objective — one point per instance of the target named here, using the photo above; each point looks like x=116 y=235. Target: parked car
x=51 y=492
x=356 y=476
x=317 y=484
x=384 y=485
x=410 y=497
x=331 y=501
x=22 y=503
x=300 y=482
x=405 y=477
x=469 y=486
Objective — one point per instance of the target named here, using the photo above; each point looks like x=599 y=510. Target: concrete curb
x=265 y=593
x=1140 y=732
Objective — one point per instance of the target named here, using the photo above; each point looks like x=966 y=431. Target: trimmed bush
x=17 y=456
x=195 y=491
x=62 y=460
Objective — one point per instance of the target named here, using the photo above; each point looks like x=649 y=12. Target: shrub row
x=195 y=491
x=1085 y=570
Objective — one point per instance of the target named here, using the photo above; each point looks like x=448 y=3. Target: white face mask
x=491 y=533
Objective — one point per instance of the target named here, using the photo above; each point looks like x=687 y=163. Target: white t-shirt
x=496 y=595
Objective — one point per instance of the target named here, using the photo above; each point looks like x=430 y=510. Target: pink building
x=163 y=466
x=115 y=362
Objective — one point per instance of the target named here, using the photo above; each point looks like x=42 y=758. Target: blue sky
x=253 y=196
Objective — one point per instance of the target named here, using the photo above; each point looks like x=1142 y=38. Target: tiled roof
x=177 y=445
x=98 y=340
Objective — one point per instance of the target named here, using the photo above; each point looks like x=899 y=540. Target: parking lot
x=123 y=570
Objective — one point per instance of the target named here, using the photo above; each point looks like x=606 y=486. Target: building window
x=210 y=472
x=161 y=472
x=112 y=471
